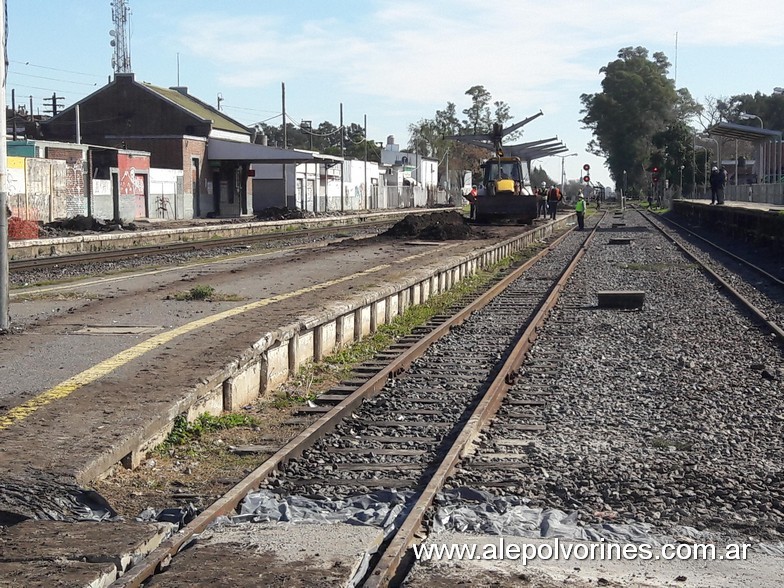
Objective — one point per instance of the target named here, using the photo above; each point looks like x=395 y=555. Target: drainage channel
x=393 y=430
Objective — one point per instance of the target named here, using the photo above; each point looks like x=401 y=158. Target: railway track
x=437 y=411
x=768 y=290
x=39 y=263
x=510 y=463
x=409 y=416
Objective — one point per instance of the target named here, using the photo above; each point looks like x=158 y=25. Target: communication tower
x=121 y=60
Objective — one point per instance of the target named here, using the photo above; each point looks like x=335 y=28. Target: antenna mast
x=121 y=61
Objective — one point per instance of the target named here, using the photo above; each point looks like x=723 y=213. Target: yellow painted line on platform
x=64 y=389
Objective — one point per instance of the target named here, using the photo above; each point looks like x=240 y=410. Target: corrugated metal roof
x=200 y=109
x=743 y=132
x=219 y=149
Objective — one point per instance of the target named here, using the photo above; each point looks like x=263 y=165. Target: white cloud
x=403 y=60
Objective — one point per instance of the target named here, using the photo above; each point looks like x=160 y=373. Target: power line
x=54 y=79
x=247 y=109
x=79 y=73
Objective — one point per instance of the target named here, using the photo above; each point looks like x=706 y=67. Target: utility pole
x=283 y=112
x=54 y=100
x=13 y=112
x=285 y=140
x=366 y=177
x=5 y=316
x=342 y=157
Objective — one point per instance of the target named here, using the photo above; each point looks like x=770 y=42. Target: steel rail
x=148 y=566
x=778 y=331
x=743 y=261
x=388 y=566
x=114 y=254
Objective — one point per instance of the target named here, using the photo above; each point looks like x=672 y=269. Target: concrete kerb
x=278 y=354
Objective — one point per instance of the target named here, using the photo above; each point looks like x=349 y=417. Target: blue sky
x=396 y=62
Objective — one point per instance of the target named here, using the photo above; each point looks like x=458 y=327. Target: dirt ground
x=200 y=472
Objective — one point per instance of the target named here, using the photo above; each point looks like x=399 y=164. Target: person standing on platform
x=579 y=208
x=541 y=200
x=717 y=181
x=553 y=196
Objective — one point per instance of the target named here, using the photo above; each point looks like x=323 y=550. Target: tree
x=637 y=102
x=427 y=136
x=479 y=112
x=539 y=176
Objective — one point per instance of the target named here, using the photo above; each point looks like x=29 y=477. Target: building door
x=145 y=195
x=216 y=192
x=116 y=196
x=195 y=186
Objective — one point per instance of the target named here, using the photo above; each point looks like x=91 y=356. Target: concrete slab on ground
x=273 y=555
x=54 y=553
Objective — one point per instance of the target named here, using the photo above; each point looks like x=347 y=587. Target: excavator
x=504 y=192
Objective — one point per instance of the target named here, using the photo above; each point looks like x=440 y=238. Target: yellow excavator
x=504 y=192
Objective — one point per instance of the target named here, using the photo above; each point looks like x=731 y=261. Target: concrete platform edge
x=280 y=353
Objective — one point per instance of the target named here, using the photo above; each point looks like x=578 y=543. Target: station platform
x=739 y=204
x=752 y=223
x=96 y=370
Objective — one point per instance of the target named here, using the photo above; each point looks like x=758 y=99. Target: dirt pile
x=436 y=226
x=277 y=213
x=83 y=224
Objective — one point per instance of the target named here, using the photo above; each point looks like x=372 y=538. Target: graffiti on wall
x=131 y=183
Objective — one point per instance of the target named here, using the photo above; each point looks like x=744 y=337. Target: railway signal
x=587 y=176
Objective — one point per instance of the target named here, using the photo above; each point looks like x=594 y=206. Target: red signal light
x=586 y=179
x=586 y=167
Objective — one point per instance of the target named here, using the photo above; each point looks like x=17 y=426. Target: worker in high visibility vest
x=579 y=208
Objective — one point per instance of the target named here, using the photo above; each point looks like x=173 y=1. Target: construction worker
x=579 y=208
x=553 y=196
x=541 y=200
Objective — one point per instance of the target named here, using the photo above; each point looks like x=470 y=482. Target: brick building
x=213 y=151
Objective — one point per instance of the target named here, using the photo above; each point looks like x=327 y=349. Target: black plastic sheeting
x=378 y=509
x=48 y=498
x=463 y=510
x=178 y=516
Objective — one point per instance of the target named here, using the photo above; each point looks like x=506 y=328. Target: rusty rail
x=388 y=565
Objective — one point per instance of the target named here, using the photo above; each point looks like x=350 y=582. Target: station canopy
x=220 y=149
x=744 y=132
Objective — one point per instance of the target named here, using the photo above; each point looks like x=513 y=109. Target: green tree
x=479 y=117
x=638 y=102
x=539 y=176
x=427 y=136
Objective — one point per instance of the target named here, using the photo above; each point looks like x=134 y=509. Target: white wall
x=166 y=194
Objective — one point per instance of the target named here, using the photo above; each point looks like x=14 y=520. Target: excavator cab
x=503 y=175
x=507 y=195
